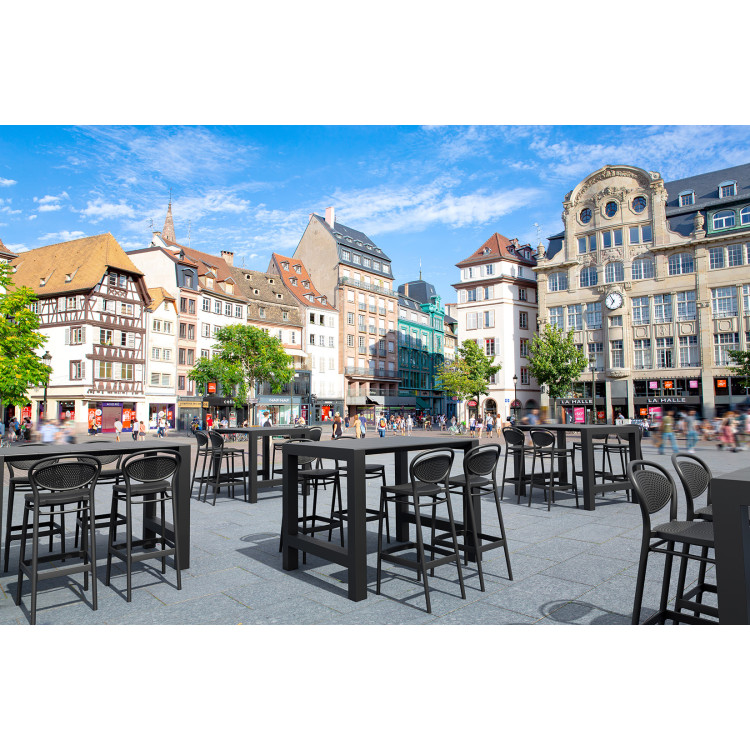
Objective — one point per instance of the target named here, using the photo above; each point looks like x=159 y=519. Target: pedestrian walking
x=667 y=433
x=337 y=429
x=472 y=425
x=357 y=428
x=691 y=432
x=118 y=430
x=141 y=430
x=363 y=425
x=382 y=424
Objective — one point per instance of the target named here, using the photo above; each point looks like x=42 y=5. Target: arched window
x=614 y=272
x=642 y=268
x=745 y=215
x=557 y=282
x=589 y=276
x=681 y=263
x=723 y=219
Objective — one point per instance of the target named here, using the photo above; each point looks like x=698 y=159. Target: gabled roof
x=6 y=254
x=299 y=291
x=265 y=287
x=706 y=188
x=498 y=247
x=74 y=266
x=354 y=241
x=158 y=295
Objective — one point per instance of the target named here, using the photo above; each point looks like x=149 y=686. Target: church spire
x=168 y=232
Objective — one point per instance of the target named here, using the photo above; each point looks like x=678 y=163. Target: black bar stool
x=203 y=451
x=606 y=445
x=428 y=488
x=549 y=480
x=654 y=489
x=149 y=477
x=480 y=478
x=221 y=453
x=108 y=475
x=67 y=482
x=18 y=469
x=516 y=448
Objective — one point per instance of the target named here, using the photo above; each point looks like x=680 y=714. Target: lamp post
x=592 y=362
x=47 y=359
x=515 y=396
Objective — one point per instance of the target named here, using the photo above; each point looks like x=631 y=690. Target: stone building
x=349 y=269
x=497 y=308
x=91 y=306
x=654 y=279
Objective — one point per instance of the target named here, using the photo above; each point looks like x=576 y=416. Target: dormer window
x=229 y=287
x=298 y=269
x=209 y=283
x=306 y=284
x=279 y=296
x=728 y=189
x=270 y=281
x=687 y=198
x=356 y=258
x=293 y=281
x=256 y=291
x=285 y=265
x=42 y=282
x=486 y=251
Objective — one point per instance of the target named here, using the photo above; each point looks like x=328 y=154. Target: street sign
x=507 y=400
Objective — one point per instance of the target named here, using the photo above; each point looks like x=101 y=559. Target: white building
x=161 y=358
x=497 y=308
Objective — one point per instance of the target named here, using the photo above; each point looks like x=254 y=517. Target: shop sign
x=573 y=402
x=643 y=411
x=471 y=403
x=126 y=418
x=277 y=399
x=667 y=400
x=212 y=387
x=653 y=384
x=669 y=384
x=26 y=412
x=579 y=414
x=721 y=383
x=693 y=383
x=191 y=404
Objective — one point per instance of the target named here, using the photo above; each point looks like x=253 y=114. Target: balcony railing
x=374 y=373
x=367 y=287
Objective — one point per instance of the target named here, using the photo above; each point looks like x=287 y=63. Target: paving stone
x=592 y=532
x=558 y=548
x=484 y=613
x=538 y=595
x=585 y=568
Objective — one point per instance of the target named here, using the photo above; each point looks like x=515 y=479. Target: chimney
x=228 y=256
x=330 y=216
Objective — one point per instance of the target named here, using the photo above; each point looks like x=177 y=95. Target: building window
x=205 y=353
x=640 y=235
x=77 y=336
x=104 y=369
x=166 y=354
x=639 y=204
x=723 y=220
x=206 y=305
x=610 y=209
x=681 y=263
x=166 y=378
x=155 y=378
x=557 y=318
x=228 y=309
x=183 y=330
x=155 y=352
x=183 y=305
x=612 y=238
x=745 y=216
x=597 y=350
x=594 y=315
x=471 y=295
x=524 y=349
x=191 y=332
x=724 y=301
x=589 y=276
x=489 y=269
x=585 y=216
x=640 y=311
x=734 y=255
x=575 y=317
x=615 y=321
x=105 y=337
x=689 y=352
x=261 y=312
x=76 y=370
x=557 y=282
x=180 y=382
x=662 y=308
x=217 y=306
x=191 y=356
x=614 y=272
x=523 y=319
x=727 y=189
x=238 y=311
x=489 y=347
x=723 y=343
x=181 y=356
x=206 y=330
x=686 y=305
x=664 y=347
x=349 y=339
x=642 y=352
x=524 y=376
x=687 y=198
x=642 y=268
x=716 y=257
x=616 y=353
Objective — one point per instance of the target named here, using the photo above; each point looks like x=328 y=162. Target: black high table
x=730 y=495
x=50 y=450
x=353 y=454
x=254 y=434
x=588 y=432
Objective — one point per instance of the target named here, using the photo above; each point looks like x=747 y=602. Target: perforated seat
x=654 y=489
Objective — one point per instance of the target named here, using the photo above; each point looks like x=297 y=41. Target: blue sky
x=430 y=193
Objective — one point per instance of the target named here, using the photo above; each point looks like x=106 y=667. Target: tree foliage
x=555 y=361
x=741 y=368
x=469 y=374
x=20 y=367
x=244 y=356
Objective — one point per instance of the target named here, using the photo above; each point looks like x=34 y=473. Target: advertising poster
x=579 y=414
x=26 y=412
x=126 y=419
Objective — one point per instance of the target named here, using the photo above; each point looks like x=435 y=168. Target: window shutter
x=83 y=334
x=462 y=296
x=83 y=369
x=131 y=340
x=138 y=373
x=67 y=336
x=117 y=371
x=80 y=301
x=492 y=318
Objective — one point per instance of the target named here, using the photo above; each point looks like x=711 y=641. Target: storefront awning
x=374 y=400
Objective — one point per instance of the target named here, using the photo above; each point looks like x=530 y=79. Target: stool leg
x=128 y=545
x=22 y=552
x=640 y=582
x=533 y=471
x=8 y=526
x=176 y=543
x=163 y=509
x=502 y=530
x=477 y=548
x=702 y=575
x=92 y=532
x=387 y=522
x=667 y=579
x=34 y=564
x=383 y=511
x=420 y=554
x=195 y=470
x=455 y=549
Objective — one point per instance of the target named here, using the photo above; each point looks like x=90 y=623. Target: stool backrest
x=217 y=440
x=303 y=462
x=150 y=466
x=482 y=461
x=513 y=436
x=695 y=477
x=315 y=433
x=66 y=472
x=21 y=464
x=202 y=437
x=654 y=488
x=108 y=458
x=432 y=466
x=542 y=438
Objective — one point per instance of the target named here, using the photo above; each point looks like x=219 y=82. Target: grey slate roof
x=420 y=290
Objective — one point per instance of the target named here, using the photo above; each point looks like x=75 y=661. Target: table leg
x=290 y=511
x=475 y=500
x=588 y=469
x=562 y=466
x=266 y=456
x=252 y=461
x=401 y=466
x=2 y=511
x=183 y=506
x=356 y=535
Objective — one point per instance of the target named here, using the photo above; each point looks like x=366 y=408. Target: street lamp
x=515 y=396
x=592 y=362
x=47 y=359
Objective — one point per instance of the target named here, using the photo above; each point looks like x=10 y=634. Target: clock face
x=613 y=301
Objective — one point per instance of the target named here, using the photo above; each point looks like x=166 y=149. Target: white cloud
x=100 y=209
x=5 y=182
x=51 y=198
x=32 y=217
x=47 y=207
x=64 y=236
x=18 y=248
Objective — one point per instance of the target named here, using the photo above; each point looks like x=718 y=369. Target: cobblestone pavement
x=570 y=566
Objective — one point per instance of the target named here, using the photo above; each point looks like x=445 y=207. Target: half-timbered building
x=91 y=306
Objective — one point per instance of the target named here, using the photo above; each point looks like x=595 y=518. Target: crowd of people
x=730 y=431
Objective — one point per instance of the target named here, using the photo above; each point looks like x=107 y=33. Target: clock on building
x=613 y=300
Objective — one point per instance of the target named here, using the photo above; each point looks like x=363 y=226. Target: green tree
x=555 y=361
x=469 y=374
x=20 y=367
x=244 y=356
x=741 y=368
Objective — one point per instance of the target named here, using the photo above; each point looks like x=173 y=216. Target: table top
x=278 y=429
x=96 y=447
x=560 y=427
x=346 y=447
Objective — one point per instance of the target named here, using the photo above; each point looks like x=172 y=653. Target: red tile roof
x=500 y=248
x=299 y=290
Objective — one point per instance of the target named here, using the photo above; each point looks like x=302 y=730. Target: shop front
x=284 y=408
x=652 y=398
x=102 y=415
x=730 y=395
x=187 y=408
x=156 y=411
